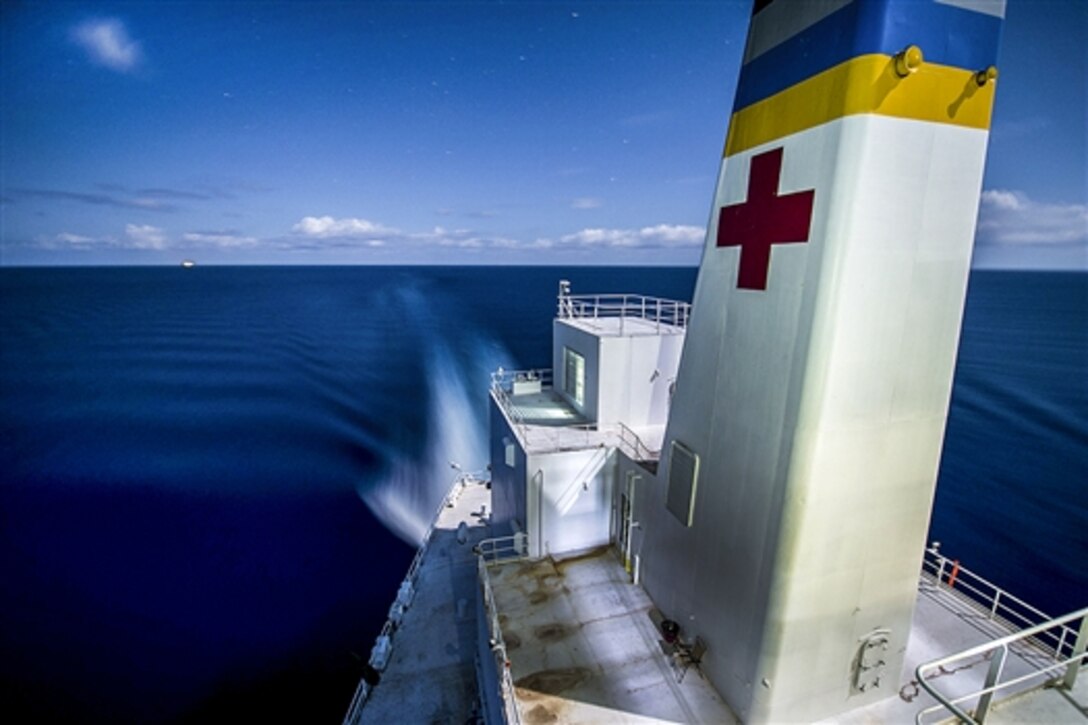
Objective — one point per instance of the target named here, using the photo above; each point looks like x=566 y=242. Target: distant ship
x=188 y=263
x=717 y=512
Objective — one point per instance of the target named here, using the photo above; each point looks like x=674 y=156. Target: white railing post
x=997 y=664
x=498 y=644
x=1079 y=647
x=997 y=600
x=660 y=311
x=998 y=650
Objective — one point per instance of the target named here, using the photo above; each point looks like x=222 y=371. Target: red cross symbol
x=765 y=219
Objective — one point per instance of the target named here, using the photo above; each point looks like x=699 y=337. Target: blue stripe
x=946 y=34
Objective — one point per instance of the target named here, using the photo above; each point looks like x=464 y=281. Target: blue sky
x=442 y=132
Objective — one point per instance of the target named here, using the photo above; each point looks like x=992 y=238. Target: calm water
x=201 y=468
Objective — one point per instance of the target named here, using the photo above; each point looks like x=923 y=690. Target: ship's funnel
x=787 y=528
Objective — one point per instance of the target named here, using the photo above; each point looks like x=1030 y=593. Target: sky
x=443 y=132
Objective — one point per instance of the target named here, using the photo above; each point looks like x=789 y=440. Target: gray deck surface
x=431 y=675
x=584 y=650
x=546 y=408
x=547 y=423
x=944 y=623
x=1044 y=706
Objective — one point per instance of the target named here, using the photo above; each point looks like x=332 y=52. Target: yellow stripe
x=865 y=84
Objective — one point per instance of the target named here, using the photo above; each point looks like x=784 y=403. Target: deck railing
x=511 y=380
x=632 y=443
x=660 y=311
x=996 y=652
x=506 y=384
x=503 y=548
x=993 y=602
x=506 y=548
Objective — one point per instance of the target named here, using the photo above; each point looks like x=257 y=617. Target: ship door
x=626 y=518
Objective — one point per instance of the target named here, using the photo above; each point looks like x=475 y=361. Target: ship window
x=683 y=478
x=574 y=376
x=509 y=455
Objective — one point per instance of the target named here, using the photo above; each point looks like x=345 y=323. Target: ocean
x=209 y=476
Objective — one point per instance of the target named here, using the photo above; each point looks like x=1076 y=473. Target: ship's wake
x=417 y=477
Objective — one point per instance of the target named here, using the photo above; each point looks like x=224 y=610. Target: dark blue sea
x=209 y=475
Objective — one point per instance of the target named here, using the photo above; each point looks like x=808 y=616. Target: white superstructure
x=557 y=435
x=718 y=514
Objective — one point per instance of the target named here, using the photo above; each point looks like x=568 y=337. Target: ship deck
x=430 y=677
x=546 y=422
x=583 y=647
x=545 y=408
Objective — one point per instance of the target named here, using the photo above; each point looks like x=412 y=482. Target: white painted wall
x=587 y=524
x=620 y=381
x=628 y=389
x=817 y=408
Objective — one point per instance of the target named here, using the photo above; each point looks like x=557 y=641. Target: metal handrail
x=502 y=386
x=998 y=604
x=997 y=651
x=505 y=379
x=498 y=646
x=503 y=548
x=618 y=434
x=641 y=451
x=502 y=382
x=659 y=310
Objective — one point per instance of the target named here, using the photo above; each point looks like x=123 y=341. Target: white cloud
x=1011 y=217
x=145 y=236
x=586 y=202
x=75 y=239
x=601 y=238
x=326 y=232
x=227 y=240
x=326 y=226
x=351 y=231
x=69 y=241
x=674 y=235
x=463 y=239
x=1000 y=199
x=107 y=43
x=661 y=235
x=137 y=236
